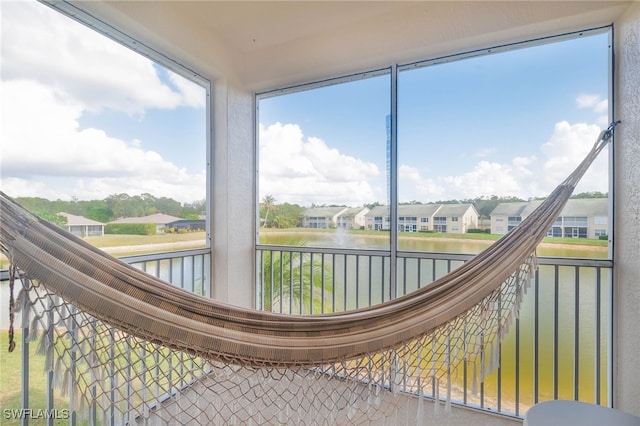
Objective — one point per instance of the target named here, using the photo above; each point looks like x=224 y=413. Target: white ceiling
x=263 y=45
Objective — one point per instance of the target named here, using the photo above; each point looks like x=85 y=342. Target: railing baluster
x=536 y=326
x=25 y=353
x=311 y=278
x=357 y=281
x=301 y=286
x=382 y=279
x=322 y=308
x=598 y=311
x=517 y=367
x=272 y=276
x=49 y=367
x=333 y=278
x=556 y=325
x=346 y=268
x=291 y=257
x=281 y=278
x=369 y=287
x=576 y=336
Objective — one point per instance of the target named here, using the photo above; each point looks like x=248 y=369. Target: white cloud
x=598 y=105
x=42 y=141
x=414 y=186
x=301 y=171
x=41 y=44
x=564 y=150
x=523 y=177
x=54 y=70
x=593 y=102
x=305 y=171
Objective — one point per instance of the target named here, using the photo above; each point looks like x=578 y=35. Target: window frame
x=392 y=150
x=101 y=27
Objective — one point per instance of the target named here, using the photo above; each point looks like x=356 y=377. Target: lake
x=583 y=318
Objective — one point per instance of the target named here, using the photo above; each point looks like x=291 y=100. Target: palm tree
x=268 y=201
x=293 y=282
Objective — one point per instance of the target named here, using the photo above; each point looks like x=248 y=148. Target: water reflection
x=420 y=243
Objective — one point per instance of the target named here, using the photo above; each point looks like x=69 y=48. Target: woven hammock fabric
x=149 y=308
x=125 y=347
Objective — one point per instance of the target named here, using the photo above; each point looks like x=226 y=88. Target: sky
x=509 y=124
x=84 y=117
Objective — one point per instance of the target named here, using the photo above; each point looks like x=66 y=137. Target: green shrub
x=603 y=237
x=477 y=231
x=130 y=228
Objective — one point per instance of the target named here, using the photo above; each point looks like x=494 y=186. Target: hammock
x=458 y=318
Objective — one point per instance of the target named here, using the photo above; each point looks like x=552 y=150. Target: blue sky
x=84 y=117
x=509 y=124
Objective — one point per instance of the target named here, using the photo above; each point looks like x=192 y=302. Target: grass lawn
x=111 y=240
x=11 y=382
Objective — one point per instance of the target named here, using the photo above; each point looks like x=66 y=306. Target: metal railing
x=559 y=347
x=150 y=375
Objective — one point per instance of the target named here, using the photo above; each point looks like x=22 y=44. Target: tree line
x=113 y=207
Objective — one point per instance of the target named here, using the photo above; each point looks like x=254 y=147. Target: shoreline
x=543 y=244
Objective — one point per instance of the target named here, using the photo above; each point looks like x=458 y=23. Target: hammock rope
x=425 y=335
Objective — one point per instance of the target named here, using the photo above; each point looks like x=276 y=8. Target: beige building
x=352 y=218
x=82 y=227
x=581 y=218
x=453 y=218
x=322 y=217
x=161 y=220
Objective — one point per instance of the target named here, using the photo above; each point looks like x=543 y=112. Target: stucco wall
x=627 y=212
x=233 y=200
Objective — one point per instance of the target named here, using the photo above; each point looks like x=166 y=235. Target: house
x=506 y=216
x=352 y=218
x=321 y=217
x=416 y=217
x=188 y=224
x=454 y=218
x=83 y=227
x=377 y=219
x=161 y=220
x=242 y=49
x=580 y=218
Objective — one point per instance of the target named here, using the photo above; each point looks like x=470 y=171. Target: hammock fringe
x=112 y=334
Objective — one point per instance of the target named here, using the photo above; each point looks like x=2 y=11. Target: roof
x=509 y=209
x=73 y=220
x=378 y=211
x=158 y=218
x=586 y=206
x=352 y=211
x=424 y=210
x=323 y=211
x=453 y=210
x=574 y=207
x=267 y=45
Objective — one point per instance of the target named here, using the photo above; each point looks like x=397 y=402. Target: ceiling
x=264 y=45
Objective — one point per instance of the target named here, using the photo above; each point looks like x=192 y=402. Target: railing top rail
x=4 y=273
x=324 y=250
x=542 y=260
x=165 y=255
